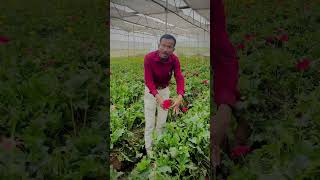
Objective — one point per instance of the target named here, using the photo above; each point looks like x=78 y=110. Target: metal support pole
x=189 y=42
x=198 y=44
x=166 y=16
x=156 y=43
x=193 y=16
x=190 y=45
x=128 y=44
x=155 y=40
x=204 y=43
x=134 y=42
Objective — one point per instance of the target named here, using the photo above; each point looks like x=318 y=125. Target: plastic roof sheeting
x=114 y=12
x=145 y=6
x=177 y=21
x=125 y=25
x=121 y=16
x=200 y=6
x=204 y=13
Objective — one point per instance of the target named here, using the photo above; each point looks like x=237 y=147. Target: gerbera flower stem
x=299 y=82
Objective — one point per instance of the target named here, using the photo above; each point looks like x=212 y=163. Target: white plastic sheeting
x=144 y=21
x=202 y=7
x=141 y=12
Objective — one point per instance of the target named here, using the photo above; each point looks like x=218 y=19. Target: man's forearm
x=224 y=60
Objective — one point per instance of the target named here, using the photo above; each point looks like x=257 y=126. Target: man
x=226 y=93
x=158 y=68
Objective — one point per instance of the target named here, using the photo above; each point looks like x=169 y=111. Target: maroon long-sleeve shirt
x=224 y=60
x=158 y=73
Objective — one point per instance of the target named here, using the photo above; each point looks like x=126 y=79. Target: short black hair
x=168 y=36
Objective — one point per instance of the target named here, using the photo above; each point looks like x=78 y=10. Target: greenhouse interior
x=137 y=25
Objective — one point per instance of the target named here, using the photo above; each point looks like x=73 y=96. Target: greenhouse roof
x=183 y=17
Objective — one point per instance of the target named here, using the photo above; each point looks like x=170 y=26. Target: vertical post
x=194 y=45
x=128 y=44
x=189 y=43
x=192 y=15
x=155 y=38
x=198 y=44
x=134 y=41
x=204 y=43
x=186 y=47
x=166 y=15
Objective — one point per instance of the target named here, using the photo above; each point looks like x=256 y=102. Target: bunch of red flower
x=240 y=151
x=184 y=109
x=166 y=104
x=206 y=82
x=4 y=40
x=240 y=46
x=281 y=36
x=249 y=37
x=303 y=64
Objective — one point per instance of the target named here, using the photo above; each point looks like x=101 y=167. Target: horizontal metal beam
x=141 y=24
x=134 y=35
x=184 y=7
x=179 y=15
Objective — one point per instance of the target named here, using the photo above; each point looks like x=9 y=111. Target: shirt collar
x=157 y=58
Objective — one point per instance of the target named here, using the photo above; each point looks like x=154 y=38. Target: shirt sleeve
x=148 y=79
x=179 y=77
x=224 y=59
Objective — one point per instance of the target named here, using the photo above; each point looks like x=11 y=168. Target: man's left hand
x=177 y=103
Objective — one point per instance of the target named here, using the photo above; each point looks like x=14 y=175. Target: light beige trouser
x=150 y=107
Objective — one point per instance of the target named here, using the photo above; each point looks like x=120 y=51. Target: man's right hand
x=220 y=122
x=223 y=117
x=159 y=99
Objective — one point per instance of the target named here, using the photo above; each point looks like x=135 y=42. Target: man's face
x=166 y=47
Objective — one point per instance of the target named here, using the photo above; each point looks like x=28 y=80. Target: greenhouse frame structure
x=138 y=24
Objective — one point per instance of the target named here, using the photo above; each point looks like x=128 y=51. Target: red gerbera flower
x=240 y=46
x=283 y=37
x=73 y=18
x=270 y=39
x=184 y=109
x=303 y=64
x=9 y=144
x=166 y=104
x=4 y=40
x=240 y=151
x=249 y=37
x=205 y=82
